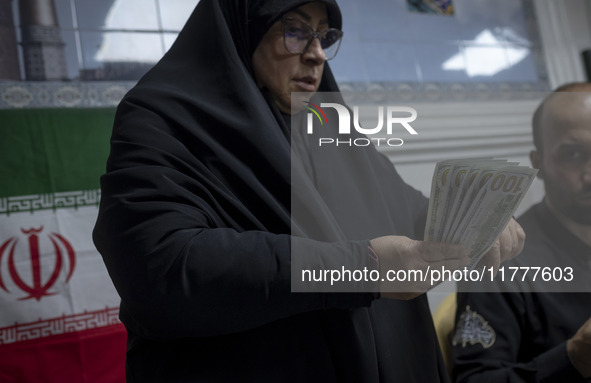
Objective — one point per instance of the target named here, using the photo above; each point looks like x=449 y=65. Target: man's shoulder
x=533 y=222
x=532 y=217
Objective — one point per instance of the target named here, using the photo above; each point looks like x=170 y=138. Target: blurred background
x=385 y=40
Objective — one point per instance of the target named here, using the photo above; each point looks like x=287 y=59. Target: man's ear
x=536 y=162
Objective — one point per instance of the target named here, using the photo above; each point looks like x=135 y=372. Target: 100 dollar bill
x=472 y=200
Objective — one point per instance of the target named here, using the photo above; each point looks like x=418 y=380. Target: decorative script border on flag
x=49 y=201
x=64 y=324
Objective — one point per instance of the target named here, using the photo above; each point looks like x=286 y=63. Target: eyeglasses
x=298 y=36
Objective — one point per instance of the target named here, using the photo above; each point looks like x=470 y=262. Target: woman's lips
x=308 y=84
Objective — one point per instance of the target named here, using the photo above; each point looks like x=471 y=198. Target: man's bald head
x=560 y=102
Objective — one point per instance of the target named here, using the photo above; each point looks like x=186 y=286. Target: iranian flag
x=58 y=307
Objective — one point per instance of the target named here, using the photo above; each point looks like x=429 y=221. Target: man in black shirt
x=529 y=336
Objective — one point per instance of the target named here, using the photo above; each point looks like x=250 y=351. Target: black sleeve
x=178 y=266
x=414 y=199
x=490 y=344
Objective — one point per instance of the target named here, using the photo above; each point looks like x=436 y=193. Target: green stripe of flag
x=53 y=150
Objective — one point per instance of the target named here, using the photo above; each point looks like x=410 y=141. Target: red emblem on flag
x=39 y=283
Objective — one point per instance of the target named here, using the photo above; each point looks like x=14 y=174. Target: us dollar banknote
x=472 y=200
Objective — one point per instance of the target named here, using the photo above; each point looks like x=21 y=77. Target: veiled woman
x=196 y=222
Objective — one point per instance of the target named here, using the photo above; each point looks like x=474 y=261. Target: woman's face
x=282 y=72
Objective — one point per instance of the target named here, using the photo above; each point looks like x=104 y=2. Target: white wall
x=565 y=28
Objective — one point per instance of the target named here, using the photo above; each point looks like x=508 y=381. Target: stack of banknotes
x=472 y=200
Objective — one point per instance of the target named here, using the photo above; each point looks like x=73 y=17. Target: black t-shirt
x=521 y=336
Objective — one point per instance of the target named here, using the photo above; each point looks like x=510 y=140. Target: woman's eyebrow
x=307 y=17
